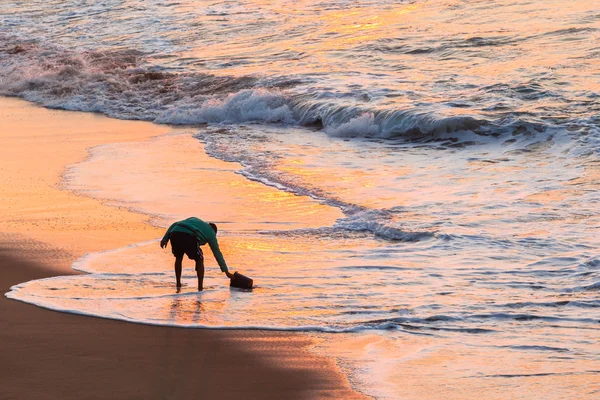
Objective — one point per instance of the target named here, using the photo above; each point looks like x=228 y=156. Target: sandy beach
x=49 y=355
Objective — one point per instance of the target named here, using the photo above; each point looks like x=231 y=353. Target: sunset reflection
x=412 y=186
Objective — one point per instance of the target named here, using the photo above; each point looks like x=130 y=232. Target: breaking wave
x=122 y=84
x=383 y=224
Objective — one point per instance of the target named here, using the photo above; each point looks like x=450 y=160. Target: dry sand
x=51 y=355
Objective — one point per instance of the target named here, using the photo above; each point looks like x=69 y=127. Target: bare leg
x=200 y=272
x=178 y=261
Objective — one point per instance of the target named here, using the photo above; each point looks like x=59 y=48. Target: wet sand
x=53 y=355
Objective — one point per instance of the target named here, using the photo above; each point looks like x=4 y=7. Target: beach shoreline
x=56 y=355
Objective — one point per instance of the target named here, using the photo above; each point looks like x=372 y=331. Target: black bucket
x=241 y=281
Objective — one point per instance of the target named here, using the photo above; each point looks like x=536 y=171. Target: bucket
x=241 y=281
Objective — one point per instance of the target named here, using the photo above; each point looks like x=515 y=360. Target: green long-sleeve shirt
x=203 y=232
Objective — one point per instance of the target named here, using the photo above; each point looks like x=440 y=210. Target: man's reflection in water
x=186 y=309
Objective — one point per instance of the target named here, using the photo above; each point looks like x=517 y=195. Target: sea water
x=415 y=184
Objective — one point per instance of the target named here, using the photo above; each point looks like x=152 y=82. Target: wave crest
x=258 y=105
x=382 y=224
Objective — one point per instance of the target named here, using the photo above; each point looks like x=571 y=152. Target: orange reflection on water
x=270 y=254
x=358 y=25
x=185 y=309
x=550 y=196
x=147 y=175
x=488 y=42
x=324 y=32
x=347 y=183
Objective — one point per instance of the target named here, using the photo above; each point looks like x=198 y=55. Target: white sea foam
x=258 y=105
x=124 y=84
x=386 y=224
x=363 y=126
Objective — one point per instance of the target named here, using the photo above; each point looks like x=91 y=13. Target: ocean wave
x=593 y=287
x=402 y=46
x=258 y=105
x=592 y=263
x=538 y=348
x=359 y=126
x=447 y=322
x=382 y=224
x=552 y=304
x=126 y=84
x=360 y=224
x=363 y=121
x=122 y=84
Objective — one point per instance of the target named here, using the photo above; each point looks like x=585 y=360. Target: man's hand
x=163 y=243
x=229 y=274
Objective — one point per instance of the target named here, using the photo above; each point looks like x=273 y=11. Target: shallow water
x=415 y=183
x=443 y=270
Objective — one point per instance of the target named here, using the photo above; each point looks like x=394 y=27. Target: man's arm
x=214 y=246
x=165 y=239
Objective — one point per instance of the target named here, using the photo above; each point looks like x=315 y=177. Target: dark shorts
x=184 y=243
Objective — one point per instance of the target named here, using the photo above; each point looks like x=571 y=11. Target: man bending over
x=186 y=238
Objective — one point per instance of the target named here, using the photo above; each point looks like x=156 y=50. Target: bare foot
x=199 y=289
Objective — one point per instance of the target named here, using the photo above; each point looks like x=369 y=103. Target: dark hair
x=213 y=226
